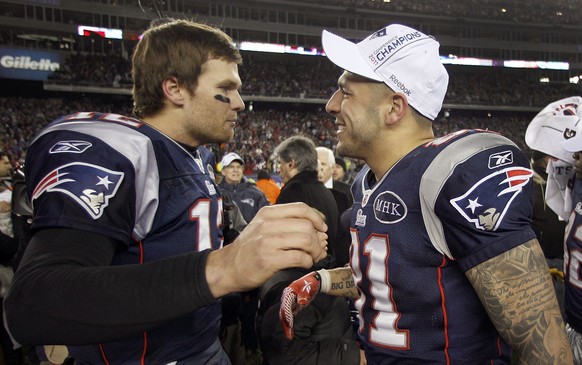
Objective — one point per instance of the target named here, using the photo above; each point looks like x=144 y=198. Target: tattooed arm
x=517 y=291
x=342 y=283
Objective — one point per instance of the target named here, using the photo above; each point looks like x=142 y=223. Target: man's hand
x=295 y=297
x=278 y=237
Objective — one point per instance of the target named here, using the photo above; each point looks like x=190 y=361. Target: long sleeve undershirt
x=66 y=291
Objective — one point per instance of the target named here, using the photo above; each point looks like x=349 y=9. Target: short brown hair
x=175 y=48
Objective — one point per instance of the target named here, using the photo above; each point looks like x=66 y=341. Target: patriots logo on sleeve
x=486 y=203
x=91 y=186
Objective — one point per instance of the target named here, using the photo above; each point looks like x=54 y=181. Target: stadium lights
x=451 y=59
x=278 y=48
x=87 y=31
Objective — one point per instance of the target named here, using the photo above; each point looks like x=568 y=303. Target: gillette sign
x=28 y=65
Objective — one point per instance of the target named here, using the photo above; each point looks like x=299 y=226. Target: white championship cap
x=403 y=58
x=229 y=158
x=556 y=130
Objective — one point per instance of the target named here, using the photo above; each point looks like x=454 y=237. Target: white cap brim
x=336 y=48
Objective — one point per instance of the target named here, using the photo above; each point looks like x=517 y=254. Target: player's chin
x=222 y=137
x=341 y=147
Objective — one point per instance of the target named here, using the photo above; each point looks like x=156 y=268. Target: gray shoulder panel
x=138 y=149
x=439 y=171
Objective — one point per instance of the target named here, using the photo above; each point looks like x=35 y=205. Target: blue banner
x=28 y=65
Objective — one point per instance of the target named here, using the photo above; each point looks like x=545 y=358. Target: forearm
x=60 y=296
x=341 y=283
x=517 y=291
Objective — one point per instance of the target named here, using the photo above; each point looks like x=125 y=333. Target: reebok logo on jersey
x=70 y=147
x=500 y=159
x=90 y=186
x=486 y=203
x=389 y=208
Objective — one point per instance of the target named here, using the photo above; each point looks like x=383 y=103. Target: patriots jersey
x=573 y=262
x=119 y=177
x=444 y=208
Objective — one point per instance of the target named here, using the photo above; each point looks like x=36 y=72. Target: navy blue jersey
x=442 y=209
x=119 y=177
x=573 y=262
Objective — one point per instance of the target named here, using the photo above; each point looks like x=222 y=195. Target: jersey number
x=384 y=326
x=201 y=212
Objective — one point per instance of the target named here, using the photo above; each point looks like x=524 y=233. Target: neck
x=170 y=124
x=291 y=173
x=395 y=146
x=329 y=183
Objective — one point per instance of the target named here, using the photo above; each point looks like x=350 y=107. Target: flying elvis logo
x=90 y=186
x=486 y=203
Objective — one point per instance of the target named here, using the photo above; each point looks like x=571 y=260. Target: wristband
x=325 y=280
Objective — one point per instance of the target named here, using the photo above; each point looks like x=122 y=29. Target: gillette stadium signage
x=28 y=65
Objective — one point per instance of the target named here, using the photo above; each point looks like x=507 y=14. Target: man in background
x=340 y=171
x=249 y=200
x=555 y=131
x=243 y=192
x=549 y=228
x=324 y=330
x=340 y=190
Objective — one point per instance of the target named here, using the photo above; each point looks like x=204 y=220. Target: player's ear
x=398 y=104
x=173 y=91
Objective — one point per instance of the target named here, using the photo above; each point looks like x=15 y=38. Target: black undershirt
x=66 y=289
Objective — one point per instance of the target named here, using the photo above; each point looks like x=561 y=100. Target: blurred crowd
x=315 y=77
x=261 y=127
x=519 y=11
x=257 y=133
x=555 y=12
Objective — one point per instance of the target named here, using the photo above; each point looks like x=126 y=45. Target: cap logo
x=383 y=53
x=566 y=109
x=569 y=133
x=380 y=33
x=400 y=85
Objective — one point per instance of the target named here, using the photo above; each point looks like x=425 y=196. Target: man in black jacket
x=298 y=169
x=324 y=333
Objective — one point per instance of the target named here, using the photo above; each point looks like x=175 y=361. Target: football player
x=444 y=264
x=555 y=131
x=126 y=262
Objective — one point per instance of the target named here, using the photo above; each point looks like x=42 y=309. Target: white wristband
x=325 y=281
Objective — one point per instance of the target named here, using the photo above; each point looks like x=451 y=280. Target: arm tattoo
x=516 y=289
x=342 y=283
